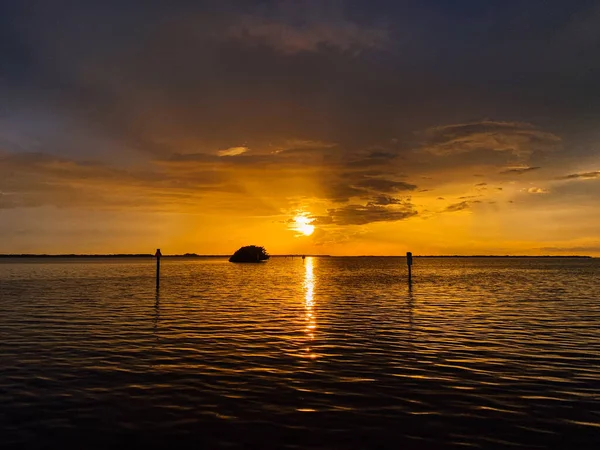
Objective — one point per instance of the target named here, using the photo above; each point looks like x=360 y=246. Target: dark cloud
x=340 y=191
x=519 y=139
x=198 y=74
x=373 y=159
x=519 y=170
x=369 y=213
x=385 y=186
x=458 y=206
x=382 y=155
x=351 y=185
x=582 y=176
x=384 y=200
x=301 y=26
x=36 y=179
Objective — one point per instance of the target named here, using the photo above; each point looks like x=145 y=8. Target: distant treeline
x=462 y=256
x=31 y=255
x=131 y=255
x=502 y=256
x=116 y=255
x=194 y=255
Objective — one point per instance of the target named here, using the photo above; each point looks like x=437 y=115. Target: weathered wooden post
x=158 y=254
x=409 y=262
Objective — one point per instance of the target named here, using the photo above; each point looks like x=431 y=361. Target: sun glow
x=302 y=224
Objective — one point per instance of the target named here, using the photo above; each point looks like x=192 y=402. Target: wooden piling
x=409 y=262
x=158 y=254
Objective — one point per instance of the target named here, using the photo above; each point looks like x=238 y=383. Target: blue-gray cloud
x=303 y=26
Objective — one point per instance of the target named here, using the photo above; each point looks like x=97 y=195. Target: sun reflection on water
x=309 y=288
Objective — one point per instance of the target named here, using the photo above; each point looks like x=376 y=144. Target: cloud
x=369 y=213
x=303 y=26
x=339 y=191
x=536 y=190
x=519 y=170
x=582 y=176
x=520 y=139
x=380 y=154
x=458 y=207
x=303 y=144
x=36 y=179
x=233 y=151
x=384 y=200
x=384 y=185
x=328 y=168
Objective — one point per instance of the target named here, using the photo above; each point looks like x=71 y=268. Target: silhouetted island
x=250 y=254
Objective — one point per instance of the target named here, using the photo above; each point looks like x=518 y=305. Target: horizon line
x=196 y=255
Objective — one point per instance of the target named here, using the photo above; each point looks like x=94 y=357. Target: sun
x=302 y=224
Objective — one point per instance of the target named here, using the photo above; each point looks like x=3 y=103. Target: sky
x=319 y=127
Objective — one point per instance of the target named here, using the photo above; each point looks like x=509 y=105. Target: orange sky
x=202 y=128
x=211 y=204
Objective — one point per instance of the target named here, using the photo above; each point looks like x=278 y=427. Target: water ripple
x=322 y=353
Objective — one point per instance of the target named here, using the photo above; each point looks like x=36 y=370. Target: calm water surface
x=322 y=353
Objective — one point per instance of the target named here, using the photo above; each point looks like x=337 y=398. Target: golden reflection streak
x=309 y=287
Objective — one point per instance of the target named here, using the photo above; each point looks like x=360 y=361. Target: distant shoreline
x=194 y=255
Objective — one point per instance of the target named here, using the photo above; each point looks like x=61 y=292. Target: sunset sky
x=323 y=127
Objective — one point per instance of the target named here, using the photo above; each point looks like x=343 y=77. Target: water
x=322 y=353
